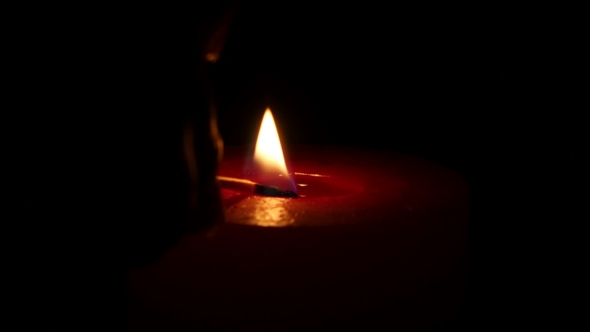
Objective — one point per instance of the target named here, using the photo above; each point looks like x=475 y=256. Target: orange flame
x=268 y=154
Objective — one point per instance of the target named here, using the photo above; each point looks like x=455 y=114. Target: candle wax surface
x=336 y=186
x=377 y=240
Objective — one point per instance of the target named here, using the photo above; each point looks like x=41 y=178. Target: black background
x=481 y=89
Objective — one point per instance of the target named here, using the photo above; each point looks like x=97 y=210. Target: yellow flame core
x=268 y=153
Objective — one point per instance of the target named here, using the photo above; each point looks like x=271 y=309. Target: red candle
x=376 y=239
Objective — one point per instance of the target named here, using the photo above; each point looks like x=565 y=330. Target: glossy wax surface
x=340 y=186
x=377 y=241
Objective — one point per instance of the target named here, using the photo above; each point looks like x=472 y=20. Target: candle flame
x=268 y=154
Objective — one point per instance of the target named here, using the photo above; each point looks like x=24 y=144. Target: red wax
x=377 y=239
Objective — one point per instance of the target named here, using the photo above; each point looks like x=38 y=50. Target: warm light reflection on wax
x=271 y=212
x=315 y=175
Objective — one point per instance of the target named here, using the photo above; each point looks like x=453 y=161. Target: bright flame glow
x=268 y=153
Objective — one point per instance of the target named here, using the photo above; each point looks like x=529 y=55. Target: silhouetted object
x=133 y=152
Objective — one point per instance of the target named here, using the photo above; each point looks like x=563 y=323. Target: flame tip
x=268 y=153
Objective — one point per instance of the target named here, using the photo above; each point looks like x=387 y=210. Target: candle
x=376 y=239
